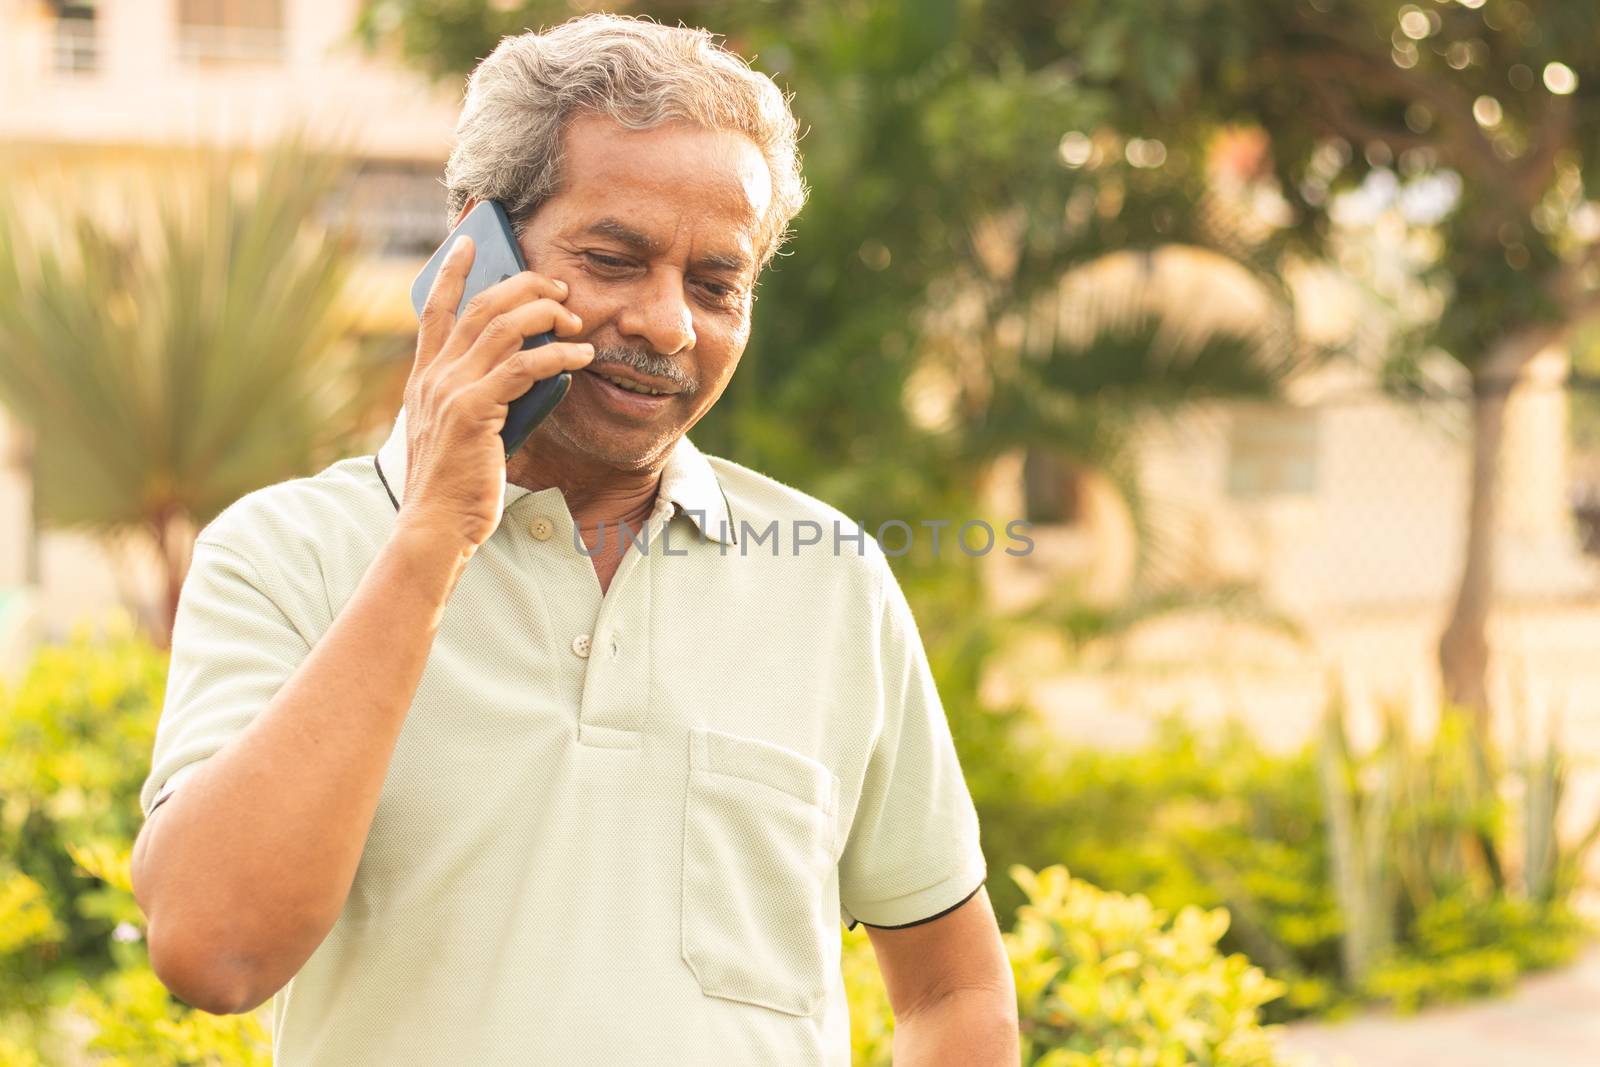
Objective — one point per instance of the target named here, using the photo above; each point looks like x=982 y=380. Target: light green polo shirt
x=619 y=828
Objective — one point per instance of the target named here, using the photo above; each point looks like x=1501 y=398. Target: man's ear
x=468 y=206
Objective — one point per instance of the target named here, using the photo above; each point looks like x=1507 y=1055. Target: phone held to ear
x=496 y=256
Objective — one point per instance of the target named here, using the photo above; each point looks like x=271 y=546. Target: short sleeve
x=233 y=647
x=913 y=852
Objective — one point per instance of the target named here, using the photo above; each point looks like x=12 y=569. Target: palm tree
x=182 y=351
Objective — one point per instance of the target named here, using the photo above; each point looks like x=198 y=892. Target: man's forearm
x=974 y=1027
x=244 y=870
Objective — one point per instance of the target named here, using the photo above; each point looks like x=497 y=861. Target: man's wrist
x=427 y=555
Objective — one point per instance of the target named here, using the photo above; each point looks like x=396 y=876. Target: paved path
x=1549 y=1020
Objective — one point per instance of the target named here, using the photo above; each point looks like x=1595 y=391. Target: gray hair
x=520 y=99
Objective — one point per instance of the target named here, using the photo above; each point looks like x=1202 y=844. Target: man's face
x=655 y=233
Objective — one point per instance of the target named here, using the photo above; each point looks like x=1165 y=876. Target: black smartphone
x=496 y=256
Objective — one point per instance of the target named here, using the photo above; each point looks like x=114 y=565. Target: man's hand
x=247 y=867
x=951 y=988
x=466 y=373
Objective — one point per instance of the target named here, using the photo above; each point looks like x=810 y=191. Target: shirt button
x=542 y=528
x=581 y=644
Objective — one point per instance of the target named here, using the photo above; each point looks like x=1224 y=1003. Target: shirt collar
x=687 y=480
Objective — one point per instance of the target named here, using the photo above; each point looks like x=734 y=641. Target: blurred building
x=1340 y=497
x=93 y=88
x=1348 y=499
x=1331 y=525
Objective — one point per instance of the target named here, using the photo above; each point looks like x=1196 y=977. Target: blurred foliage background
x=981 y=282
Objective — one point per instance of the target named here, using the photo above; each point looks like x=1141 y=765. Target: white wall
x=1384 y=521
x=143 y=95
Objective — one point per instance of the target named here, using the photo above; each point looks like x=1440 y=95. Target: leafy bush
x=1440 y=901
x=1102 y=975
x=1103 y=980
x=1209 y=822
x=75 y=738
x=1213 y=820
x=1207 y=817
x=1463 y=947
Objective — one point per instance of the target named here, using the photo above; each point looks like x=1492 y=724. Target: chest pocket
x=758 y=852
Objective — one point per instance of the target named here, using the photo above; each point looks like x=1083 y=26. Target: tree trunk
x=174 y=537
x=26 y=458
x=1464 y=645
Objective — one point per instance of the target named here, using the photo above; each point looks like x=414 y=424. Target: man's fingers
x=506 y=332
x=521 y=288
x=444 y=296
x=516 y=374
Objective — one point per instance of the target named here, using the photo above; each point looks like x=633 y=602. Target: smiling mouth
x=632 y=385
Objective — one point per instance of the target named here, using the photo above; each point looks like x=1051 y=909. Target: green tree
x=181 y=351
x=1500 y=98
x=932 y=149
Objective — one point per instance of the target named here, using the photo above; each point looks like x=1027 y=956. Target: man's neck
x=596 y=495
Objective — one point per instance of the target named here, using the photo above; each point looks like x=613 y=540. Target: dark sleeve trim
x=929 y=919
x=379 y=468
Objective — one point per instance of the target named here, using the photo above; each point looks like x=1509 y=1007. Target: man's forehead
x=642 y=185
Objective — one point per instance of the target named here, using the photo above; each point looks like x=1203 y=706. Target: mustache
x=645 y=362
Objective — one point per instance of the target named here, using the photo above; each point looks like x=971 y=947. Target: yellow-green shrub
x=1107 y=979
x=75 y=738
x=1103 y=980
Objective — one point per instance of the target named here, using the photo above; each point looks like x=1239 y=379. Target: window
x=230 y=32
x=397 y=208
x=1272 y=451
x=76 y=44
x=1051 y=488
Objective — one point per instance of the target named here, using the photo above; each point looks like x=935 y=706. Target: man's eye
x=610 y=262
x=719 y=291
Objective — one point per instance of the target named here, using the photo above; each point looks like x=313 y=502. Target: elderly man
x=459 y=775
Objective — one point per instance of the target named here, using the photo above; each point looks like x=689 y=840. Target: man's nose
x=662 y=317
